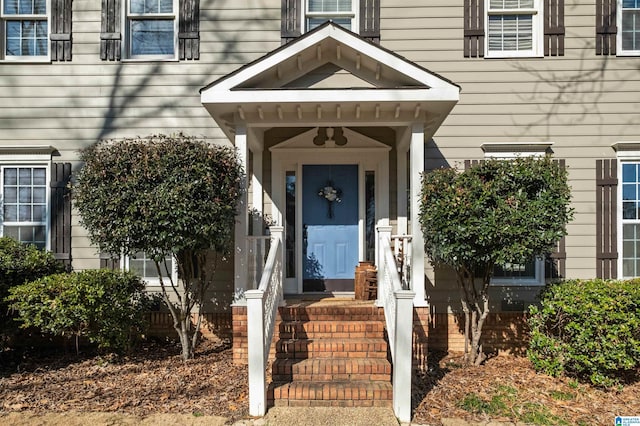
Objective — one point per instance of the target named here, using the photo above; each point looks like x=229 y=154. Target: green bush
x=107 y=307
x=589 y=329
x=20 y=263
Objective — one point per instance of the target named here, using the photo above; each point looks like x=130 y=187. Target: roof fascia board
x=241 y=97
x=344 y=38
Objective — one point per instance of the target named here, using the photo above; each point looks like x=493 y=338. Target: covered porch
x=330 y=129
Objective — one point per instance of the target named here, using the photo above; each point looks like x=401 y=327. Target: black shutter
x=61 y=212
x=189 y=30
x=370 y=20
x=60 y=30
x=553 y=27
x=290 y=25
x=555 y=263
x=110 y=33
x=473 y=28
x=606 y=219
x=108 y=261
x=606 y=28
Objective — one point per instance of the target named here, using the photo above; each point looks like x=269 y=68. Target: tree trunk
x=475 y=305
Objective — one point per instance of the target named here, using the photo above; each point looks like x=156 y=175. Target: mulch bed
x=153 y=380
x=156 y=380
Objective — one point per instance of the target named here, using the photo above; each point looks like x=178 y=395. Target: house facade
x=334 y=122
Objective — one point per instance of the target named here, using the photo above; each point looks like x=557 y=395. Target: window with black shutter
x=359 y=16
x=150 y=29
x=513 y=28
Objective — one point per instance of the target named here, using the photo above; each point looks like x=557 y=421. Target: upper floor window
x=629 y=24
x=342 y=12
x=151 y=28
x=359 y=16
x=25 y=29
x=514 y=28
x=25 y=203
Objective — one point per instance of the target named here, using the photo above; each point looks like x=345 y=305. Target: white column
x=402 y=362
x=417 y=241
x=240 y=277
x=401 y=177
x=257 y=361
x=257 y=193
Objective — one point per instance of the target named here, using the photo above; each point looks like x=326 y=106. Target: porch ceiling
x=292 y=87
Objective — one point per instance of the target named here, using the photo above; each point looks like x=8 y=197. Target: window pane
x=25 y=7
x=166 y=6
x=631 y=29
x=152 y=37
x=629 y=173
x=10 y=7
x=511 y=4
x=10 y=176
x=290 y=222
x=10 y=195
x=39 y=176
x=316 y=22
x=39 y=195
x=39 y=213
x=40 y=7
x=24 y=195
x=516 y=271
x=329 y=5
x=10 y=213
x=24 y=213
x=631 y=3
x=630 y=256
x=136 y=6
x=629 y=210
x=510 y=32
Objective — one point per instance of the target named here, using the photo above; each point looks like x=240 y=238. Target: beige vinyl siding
x=581 y=102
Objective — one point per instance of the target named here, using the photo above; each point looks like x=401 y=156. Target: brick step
x=331 y=369
x=330 y=348
x=331 y=329
x=336 y=393
x=331 y=313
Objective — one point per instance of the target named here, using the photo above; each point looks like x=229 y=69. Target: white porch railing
x=402 y=253
x=262 y=309
x=257 y=251
x=398 y=312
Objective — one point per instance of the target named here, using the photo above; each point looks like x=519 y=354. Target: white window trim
x=37 y=159
x=355 y=16
x=537 y=28
x=126 y=45
x=626 y=152
x=153 y=282
x=619 y=51
x=3 y=31
x=509 y=151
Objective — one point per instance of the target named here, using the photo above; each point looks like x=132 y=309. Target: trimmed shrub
x=589 y=329
x=20 y=263
x=107 y=307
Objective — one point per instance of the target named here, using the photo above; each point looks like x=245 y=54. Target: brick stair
x=330 y=356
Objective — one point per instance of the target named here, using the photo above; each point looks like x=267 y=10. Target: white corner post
x=240 y=266
x=402 y=364
x=257 y=361
x=417 y=241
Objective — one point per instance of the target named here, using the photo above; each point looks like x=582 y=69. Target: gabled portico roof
x=330 y=76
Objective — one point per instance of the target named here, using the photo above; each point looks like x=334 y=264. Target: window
x=359 y=16
x=25 y=29
x=145 y=268
x=531 y=272
x=342 y=12
x=629 y=24
x=514 y=28
x=630 y=219
x=25 y=203
x=151 y=27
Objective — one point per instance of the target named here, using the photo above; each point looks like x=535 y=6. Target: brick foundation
x=214 y=325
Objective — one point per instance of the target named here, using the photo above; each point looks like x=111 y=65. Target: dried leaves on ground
x=155 y=380
x=507 y=388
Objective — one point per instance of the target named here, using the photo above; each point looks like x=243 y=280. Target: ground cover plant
x=589 y=329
